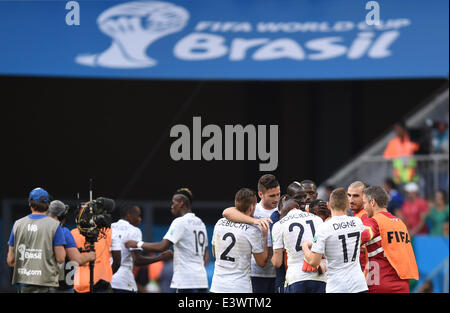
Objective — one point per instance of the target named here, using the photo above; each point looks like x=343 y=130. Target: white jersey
x=339 y=240
x=234 y=244
x=190 y=239
x=122 y=231
x=268 y=270
x=289 y=233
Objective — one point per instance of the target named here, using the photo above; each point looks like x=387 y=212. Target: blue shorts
x=263 y=284
x=306 y=286
x=195 y=290
x=115 y=290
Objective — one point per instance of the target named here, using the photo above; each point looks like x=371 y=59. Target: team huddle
x=293 y=243
x=303 y=254
x=313 y=246
x=290 y=243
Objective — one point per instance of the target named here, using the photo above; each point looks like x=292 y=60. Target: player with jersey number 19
x=233 y=245
x=338 y=239
x=188 y=235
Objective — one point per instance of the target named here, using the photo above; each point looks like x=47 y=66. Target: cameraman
x=103 y=269
x=58 y=211
x=39 y=240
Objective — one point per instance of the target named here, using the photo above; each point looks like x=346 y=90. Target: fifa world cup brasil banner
x=225 y=39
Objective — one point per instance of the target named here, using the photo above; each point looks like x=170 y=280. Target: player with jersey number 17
x=338 y=239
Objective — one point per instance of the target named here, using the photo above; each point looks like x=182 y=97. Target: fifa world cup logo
x=133 y=27
x=21 y=249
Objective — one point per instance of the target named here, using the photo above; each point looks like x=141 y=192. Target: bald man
x=355 y=199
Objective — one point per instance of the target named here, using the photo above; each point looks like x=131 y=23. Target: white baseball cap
x=411 y=187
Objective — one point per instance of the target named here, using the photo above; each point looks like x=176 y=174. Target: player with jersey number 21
x=233 y=245
x=338 y=239
x=188 y=235
x=288 y=234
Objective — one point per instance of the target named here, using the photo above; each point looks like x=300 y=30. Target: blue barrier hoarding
x=226 y=39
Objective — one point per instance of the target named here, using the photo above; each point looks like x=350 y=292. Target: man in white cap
x=414 y=210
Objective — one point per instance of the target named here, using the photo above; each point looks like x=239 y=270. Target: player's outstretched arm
x=234 y=215
x=140 y=260
x=161 y=246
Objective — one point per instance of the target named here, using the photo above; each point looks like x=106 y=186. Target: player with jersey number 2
x=338 y=239
x=233 y=245
x=188 y=235
x=263 y=278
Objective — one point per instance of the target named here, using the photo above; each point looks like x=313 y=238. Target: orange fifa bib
x=102 y=268
x=397 y=247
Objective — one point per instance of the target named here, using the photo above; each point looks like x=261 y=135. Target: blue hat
x=40 y=195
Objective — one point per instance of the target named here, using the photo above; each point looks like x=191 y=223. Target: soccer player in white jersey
x=123 y=230
x=288 y=234
x=338 y=239
x=188 y=235
x=233 y=245
x=263 y=277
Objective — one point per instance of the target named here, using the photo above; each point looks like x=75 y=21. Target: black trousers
x=263 y=284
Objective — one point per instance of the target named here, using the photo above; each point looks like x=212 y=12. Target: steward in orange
x=391 y=257
x=400 y=150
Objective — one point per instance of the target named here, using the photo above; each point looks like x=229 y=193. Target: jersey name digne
x=343 y=225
